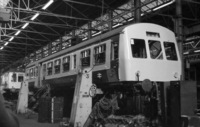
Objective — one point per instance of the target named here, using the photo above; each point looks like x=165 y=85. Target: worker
x=7 y=117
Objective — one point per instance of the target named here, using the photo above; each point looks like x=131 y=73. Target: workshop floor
x=32 y=122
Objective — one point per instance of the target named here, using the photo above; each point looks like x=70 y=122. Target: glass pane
x=44 y=69
x=155 y=49
x=170 y=51
x=74 y=61
x=14 y=77
x=66 y=63
x=138 y=48
x=100 y=54
x=20 y=78
x=85 y=58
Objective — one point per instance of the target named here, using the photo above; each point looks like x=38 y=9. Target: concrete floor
x=32 y=122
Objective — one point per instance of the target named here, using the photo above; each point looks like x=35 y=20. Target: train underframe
x=136 y=104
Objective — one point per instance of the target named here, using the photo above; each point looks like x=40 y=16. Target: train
x=137 y=62
x=12 y=79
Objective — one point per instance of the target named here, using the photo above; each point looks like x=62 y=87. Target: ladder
x=82 y=102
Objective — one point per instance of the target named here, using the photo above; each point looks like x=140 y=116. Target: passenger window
x=138 y=48
x=66 y=63
x=85 y=58
x=44 y=69
x=49 y=68
x=27 y=73
x=14 y=77
x=20 y=78
x=74 y=61
x=100 y=54
x=155 y=49
x=115 y=48
x=36 y=71
x=31 y=73
x=57 y=66
x=170 y=51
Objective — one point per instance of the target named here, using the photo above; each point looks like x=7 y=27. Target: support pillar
x=179 y=32
x=89 y=30
x=110 y=23
x=137 y=13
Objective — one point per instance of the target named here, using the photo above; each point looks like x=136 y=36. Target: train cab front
x=148 y=52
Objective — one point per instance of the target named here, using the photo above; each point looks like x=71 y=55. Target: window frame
x=175 y=49
x=19 y=77
x=132 y=40
x=50 y=68
x=44 y=67
x=66 y=63
x=74 y=61
x=98 y=52
x=158 y=57
x=84 y=56
x=57 y=67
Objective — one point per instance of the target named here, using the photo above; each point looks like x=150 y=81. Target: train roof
x=80 y=45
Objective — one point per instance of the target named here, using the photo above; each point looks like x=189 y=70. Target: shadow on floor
x=32 y=122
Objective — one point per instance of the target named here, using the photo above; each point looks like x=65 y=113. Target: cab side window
x=170 y=51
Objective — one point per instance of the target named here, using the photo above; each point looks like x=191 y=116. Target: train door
x=115 y=52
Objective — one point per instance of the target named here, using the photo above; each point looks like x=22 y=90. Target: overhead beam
x=29 y=31
x=28 y=38
x=21 y=43
x=64 y=26
x=48 y=13
x=92 y=5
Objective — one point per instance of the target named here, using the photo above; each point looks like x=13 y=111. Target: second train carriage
x=141 y=54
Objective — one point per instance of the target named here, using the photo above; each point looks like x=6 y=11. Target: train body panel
x=148 y=54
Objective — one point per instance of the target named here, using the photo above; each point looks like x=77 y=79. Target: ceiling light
x=35 y=16
x=97 y=33
x=130 y=19
x=17 y=32
x=84 y=39
x=1 y=48
x=118 y=24
x=185 y=53
x=11 y=38
x=25 y=25
x=47 y=4
x=6 y=43
x=197 y=51
x=164 y=5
